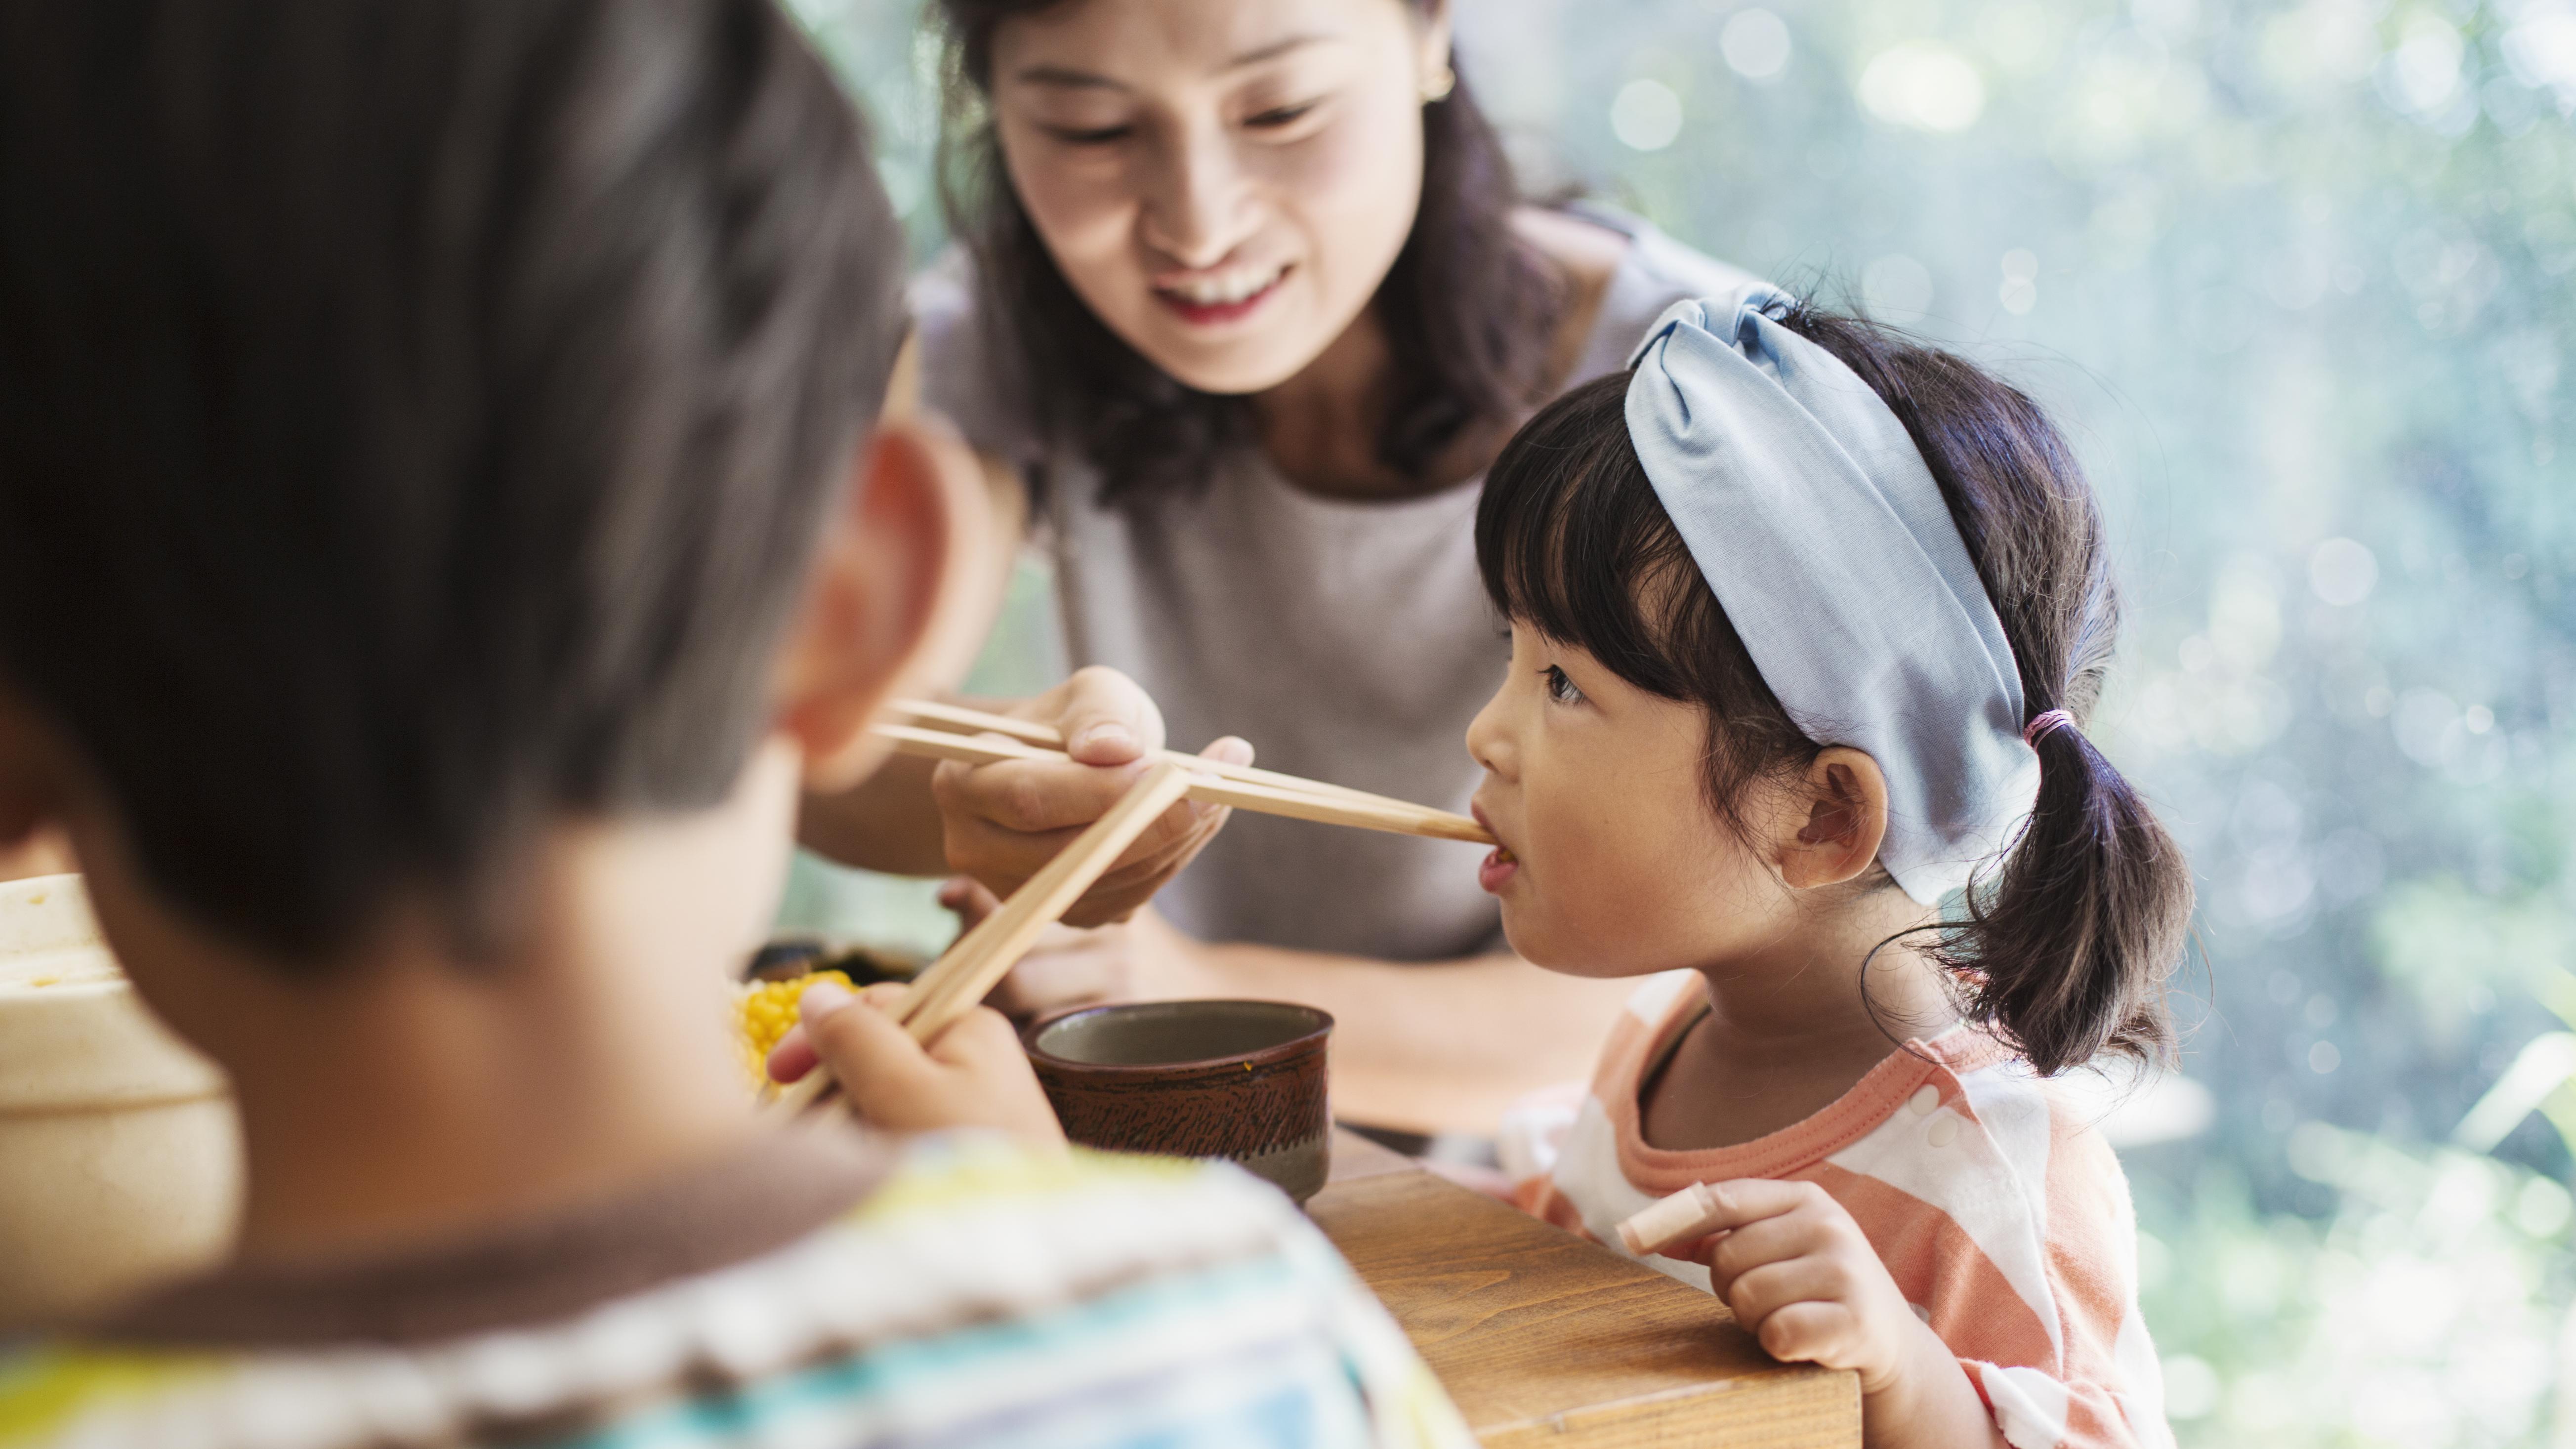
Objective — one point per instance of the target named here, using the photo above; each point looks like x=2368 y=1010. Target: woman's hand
x=1140 y=959
x=971 y=1075
x=1002 y=822
x=1796 y=1270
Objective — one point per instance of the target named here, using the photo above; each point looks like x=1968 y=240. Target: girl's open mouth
x=1498 y=869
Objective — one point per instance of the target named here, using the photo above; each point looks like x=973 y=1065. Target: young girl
x=1806 y=620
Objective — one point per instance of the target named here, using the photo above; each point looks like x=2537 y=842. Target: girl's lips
x=1498 y=870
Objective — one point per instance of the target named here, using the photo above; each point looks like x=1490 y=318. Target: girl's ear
x=1838 y=816
x=906 y=585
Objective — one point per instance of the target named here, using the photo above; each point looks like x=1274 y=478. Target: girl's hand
x=1796 y=1270
x=971 y=1075
x=1002 y=822
x=1141 y=959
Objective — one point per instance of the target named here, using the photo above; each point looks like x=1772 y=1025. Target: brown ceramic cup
x=1242 y=1080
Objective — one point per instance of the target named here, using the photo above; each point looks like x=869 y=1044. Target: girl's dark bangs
x=1568 y=521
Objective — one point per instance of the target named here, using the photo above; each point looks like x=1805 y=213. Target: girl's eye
x=1561 y=687
x=1101 y=136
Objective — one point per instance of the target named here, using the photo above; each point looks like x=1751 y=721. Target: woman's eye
x=1096 y=136
x=1278 y=116
x=1561 y=687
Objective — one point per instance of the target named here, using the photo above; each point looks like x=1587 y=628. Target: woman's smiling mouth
x=1212 y=298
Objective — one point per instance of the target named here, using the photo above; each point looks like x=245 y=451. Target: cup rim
x=1320 y=1028
x=61 y=990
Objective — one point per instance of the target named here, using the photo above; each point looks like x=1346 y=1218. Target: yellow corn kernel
x=767 y=1009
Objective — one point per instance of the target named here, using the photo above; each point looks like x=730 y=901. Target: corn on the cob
x=768 y=1009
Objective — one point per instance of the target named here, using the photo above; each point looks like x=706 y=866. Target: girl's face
x=1612 y=862
x=1224 y=182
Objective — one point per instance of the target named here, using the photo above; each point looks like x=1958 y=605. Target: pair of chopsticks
x=952 y=731
x=978 y=961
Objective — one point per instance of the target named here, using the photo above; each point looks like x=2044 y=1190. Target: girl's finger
x=1751 y=1199
x=1702 y=1251
x=1770 y=1240
x=1757 y=1293
x=1810 y=1332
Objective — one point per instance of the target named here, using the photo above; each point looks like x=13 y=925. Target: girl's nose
x=1197 y=207
x=1488 y=742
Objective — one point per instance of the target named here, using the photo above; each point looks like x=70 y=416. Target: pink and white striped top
x=2001 y=1213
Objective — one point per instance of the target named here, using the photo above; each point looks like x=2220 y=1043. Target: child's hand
x=974 y=1074
x=1796 y=1270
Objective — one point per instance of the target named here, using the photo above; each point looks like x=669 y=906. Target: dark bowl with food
x=1241 y=1080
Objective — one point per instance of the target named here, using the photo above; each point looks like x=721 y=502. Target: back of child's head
x=2065 y=946
x=416 y=421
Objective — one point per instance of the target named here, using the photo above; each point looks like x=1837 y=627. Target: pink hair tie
x=2044 y=724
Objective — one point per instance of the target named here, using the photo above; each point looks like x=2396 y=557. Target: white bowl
x=120 y=1158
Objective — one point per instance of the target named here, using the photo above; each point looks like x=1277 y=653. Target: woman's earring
x=1439 y=86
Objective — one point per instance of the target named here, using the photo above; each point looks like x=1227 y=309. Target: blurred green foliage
x=2300 y=276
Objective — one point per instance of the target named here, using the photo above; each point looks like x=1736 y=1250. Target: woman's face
x=1224 y=182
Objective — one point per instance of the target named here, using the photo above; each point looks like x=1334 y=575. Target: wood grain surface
x=1545 y=1339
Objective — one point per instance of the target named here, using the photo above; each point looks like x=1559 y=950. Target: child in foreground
x=447 y=521
x=1806 y=620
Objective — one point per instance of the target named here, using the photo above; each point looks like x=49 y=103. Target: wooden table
x=1545 y=1339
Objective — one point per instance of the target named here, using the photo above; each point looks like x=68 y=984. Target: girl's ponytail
x=2066 y=947
x=2067 y=944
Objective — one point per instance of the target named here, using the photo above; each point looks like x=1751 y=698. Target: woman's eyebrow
x=1067 y=78
x=1278 y=48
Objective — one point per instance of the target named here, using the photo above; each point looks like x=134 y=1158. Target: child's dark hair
x=2065 y=950
x=417 y=418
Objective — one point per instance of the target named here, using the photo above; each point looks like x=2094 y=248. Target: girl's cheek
x=1589 y=887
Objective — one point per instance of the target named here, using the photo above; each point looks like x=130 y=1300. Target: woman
x=1246 y=301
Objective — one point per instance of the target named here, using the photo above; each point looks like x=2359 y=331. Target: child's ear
x=1840 y=815
x=908 y=578
x=31 y=765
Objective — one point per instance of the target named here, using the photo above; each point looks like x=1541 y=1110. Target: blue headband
x=1814 y=520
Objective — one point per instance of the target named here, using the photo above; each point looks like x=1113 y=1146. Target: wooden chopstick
x=978 y=960
x=959 y=717
x=1368 y=812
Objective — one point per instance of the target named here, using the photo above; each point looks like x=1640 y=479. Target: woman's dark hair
x=417 y=420
x=1469 y=309
x=2064 y=948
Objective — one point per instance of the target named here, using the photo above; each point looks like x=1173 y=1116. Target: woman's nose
x=1198 y=204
